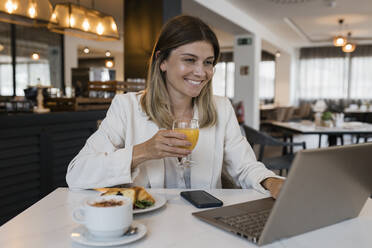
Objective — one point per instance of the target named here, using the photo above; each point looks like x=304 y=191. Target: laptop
x=324 y=186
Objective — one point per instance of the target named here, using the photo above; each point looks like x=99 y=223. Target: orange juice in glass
x=191 y=129
x=192 y=136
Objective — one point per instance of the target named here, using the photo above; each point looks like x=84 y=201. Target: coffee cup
x=105 y=216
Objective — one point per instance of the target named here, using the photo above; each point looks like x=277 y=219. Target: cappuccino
x=109 y=203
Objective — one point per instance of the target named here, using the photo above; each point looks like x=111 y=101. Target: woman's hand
x=273 y=184
x=165 y=143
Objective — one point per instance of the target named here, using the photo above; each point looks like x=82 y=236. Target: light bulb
x=86 y=25
x=86 y=50
x=72 y=21
x=35 y=56
x=109 y=63
x=113 y=26
x=339 y=41
x=10 y=6
x=349 y=48
x=32 y=11
x=100 y=29
x=108 y=53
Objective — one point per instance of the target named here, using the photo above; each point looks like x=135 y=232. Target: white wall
x=283 y=80
x=246 y=86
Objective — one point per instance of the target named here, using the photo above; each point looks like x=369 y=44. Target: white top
x=48 y=223
x=105 y=160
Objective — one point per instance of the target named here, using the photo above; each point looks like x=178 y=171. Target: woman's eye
x=190 y=60
x=209 y=63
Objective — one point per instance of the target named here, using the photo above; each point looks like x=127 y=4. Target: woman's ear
x=163 y=66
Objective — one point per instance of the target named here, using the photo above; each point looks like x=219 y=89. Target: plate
x=159 y=202
x=82 y=236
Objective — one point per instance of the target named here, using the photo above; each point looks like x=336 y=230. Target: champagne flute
x=191 y=129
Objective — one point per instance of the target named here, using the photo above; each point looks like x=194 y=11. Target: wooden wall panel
x=35 y=151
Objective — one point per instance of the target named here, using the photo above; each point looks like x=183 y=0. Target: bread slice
x=143 y=195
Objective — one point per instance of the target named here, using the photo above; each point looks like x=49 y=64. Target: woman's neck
x=182 y=108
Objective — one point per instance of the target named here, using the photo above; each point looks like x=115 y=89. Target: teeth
x=194 y=82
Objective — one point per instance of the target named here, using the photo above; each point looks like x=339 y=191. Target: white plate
x=82 y=236
x=159 y=202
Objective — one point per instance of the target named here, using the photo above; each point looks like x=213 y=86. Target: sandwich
x=141 y=199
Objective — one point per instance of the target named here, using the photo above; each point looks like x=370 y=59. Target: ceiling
x=311 y=22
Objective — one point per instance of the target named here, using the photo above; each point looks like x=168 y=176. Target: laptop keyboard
x=250 y=223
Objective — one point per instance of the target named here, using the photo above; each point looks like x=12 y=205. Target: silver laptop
x=324 y=186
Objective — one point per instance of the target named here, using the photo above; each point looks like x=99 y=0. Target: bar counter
x=35 y=150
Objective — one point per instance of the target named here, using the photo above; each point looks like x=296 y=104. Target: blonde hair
x=155 y=100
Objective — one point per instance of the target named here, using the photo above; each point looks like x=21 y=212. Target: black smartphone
x=201 y=199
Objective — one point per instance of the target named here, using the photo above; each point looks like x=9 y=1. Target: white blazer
x=105 y=160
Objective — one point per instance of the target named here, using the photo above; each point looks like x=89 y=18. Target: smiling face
x=188 y=69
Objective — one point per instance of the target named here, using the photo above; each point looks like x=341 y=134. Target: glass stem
x=185 y=161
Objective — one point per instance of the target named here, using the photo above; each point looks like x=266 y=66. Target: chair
x=262 y=139
x=363 y=136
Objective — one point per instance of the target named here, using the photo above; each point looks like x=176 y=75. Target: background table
x=309 y=127
x=48 y=224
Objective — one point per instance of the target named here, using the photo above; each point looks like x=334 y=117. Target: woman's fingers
x=176 y=142
x=174 y=151
x=167 y=143
x=172 y=134
x=172 y=138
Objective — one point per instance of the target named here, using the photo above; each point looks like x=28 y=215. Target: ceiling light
x=349 y=47
x=26 y=12
x=109 y=64
x=35 y=56
x=339 y=40
x=108 y=53
x=83 y=22
x=86 y=50
x=277 y=54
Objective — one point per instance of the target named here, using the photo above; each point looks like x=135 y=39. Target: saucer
x=82 y=236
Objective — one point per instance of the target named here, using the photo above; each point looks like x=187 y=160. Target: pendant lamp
x=26 y=12
x=69 y=18
x=339 y=40
x=349 y=47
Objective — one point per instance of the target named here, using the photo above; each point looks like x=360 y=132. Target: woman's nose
x=199 y=70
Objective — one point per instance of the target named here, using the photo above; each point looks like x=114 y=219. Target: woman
x=135 y=144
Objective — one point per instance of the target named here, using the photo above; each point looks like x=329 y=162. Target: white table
x=308 y=127
x=48 y=224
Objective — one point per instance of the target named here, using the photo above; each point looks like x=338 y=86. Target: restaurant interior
x=298 y=73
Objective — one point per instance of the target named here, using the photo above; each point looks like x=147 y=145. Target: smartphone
x=201 y=199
